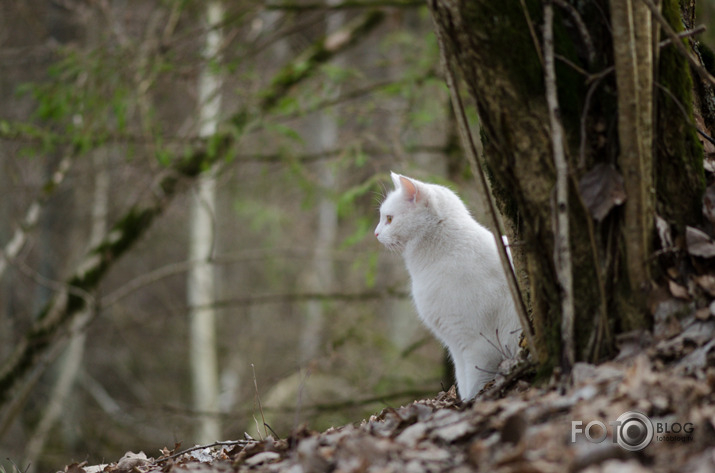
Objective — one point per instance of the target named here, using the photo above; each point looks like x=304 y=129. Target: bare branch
x=322 y=51
x=345 y=5
x=560 y=211
x=581 y=26
x=227 y=443
x=310 y=296
x=12 y=248
x=678 y=42
x=480 y=176
x=683 y=34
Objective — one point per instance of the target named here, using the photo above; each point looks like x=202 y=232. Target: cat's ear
x=395 y=179
x=410 y=190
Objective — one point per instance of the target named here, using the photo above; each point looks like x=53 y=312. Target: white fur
x=458 y=284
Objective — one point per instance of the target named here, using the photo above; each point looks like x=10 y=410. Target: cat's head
x=405 y=213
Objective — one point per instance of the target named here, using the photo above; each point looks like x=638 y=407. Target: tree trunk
x=498 y=47
x=201 y=284
x=325 y=137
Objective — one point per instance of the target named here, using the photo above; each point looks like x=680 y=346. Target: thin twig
x=571 y=64
x=258 y=400
x=688 y=119
x=514 y=375
x=683 y=34
x=481 y=179
x=602 y=330
x=581 y=26
x=347 y=4
x=12 y=248
x=584 y=116
x=56 y=286
x=228 y=443
x=17 y=468
x=532 y=32
x=299 y=401
x=562 y=250
x=677 y=41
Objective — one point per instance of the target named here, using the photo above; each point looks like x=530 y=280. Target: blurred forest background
x=263 y=275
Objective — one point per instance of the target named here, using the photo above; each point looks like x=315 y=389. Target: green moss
x=502 y=27
x=679 y=173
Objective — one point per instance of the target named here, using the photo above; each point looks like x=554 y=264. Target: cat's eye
x=389 y=219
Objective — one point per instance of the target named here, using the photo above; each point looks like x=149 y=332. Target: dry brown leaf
x=263 y=457
x=131 y=460
x=678 y=291
x=699 y=243
x=75 y=468
x=703 y=314
x=96 y=468
x=602 y=189
x=707 y=282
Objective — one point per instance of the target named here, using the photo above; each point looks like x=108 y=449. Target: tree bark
x=201 y=280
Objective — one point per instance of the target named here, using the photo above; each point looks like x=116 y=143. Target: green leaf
x=286 y=131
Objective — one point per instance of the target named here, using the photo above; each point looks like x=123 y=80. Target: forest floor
x=512 y=426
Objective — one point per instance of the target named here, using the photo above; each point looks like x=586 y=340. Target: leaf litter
x=515 y=427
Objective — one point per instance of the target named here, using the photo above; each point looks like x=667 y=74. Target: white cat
x=458 y=284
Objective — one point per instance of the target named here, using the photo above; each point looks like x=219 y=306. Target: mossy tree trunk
x=650 y=166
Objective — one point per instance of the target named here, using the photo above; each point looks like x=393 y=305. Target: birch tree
x=201 y=283
x=322 y=276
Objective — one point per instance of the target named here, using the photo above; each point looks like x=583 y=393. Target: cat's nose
x=376 y=234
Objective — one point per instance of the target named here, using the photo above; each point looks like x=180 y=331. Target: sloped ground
x=525 y=429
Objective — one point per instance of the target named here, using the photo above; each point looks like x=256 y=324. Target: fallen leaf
x=75 y=468
x=131 y=460
x=95 y=468
x=699 y=243
x=602 y=189
x=678 y=291
x=707 y=282
x=703 y=314
x=263 y=457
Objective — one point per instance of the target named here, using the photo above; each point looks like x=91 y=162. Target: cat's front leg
x=480 y=367
x=459 y=373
